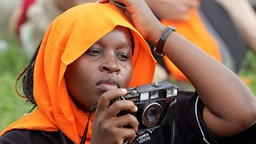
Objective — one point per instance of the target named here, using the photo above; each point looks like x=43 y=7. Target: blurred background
x=12 y=61
x=14 y=57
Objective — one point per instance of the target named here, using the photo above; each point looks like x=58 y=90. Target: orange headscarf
x=195 y=31
x=67 y=38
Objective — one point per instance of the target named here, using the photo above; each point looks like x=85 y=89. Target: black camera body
x=153 y=102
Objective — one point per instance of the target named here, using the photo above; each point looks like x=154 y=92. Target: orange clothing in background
x=195 y=31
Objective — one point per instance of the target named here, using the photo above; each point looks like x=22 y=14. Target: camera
x=153 y=102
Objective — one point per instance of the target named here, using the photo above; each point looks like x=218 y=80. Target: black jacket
x=188 y=124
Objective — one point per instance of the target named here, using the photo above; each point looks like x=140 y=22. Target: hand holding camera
x=153 y=101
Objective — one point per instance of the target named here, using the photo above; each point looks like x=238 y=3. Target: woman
x=92 y=52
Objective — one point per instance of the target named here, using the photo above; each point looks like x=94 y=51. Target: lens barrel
x=152 y=114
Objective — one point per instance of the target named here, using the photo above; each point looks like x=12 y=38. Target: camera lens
x=151 y=114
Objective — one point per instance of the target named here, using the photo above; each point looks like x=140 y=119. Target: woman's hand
x=143 y=18
x=109 y=128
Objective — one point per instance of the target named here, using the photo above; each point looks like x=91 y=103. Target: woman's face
x=105 y=65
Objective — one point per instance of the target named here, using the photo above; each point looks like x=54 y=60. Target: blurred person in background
x=216 y=34
x=244 y=17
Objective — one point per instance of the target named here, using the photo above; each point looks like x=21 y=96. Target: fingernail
x=124 y=90
x=136 y=108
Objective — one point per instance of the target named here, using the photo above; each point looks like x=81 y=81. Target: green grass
x=13 y=60
x=248 y=71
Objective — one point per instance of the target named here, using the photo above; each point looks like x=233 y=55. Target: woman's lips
x=107 y=84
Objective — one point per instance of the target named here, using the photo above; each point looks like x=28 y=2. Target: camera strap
x=170 y=119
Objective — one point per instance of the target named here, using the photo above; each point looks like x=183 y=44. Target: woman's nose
x=110 y=65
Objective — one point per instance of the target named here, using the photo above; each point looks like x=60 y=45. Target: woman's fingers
x=109 y=96
x=108 y=124
x=124 y=126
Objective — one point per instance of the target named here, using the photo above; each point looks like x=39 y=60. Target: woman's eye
x=123 y=56
x=93 y=52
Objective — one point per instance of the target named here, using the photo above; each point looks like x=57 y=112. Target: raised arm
x=230 y=105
